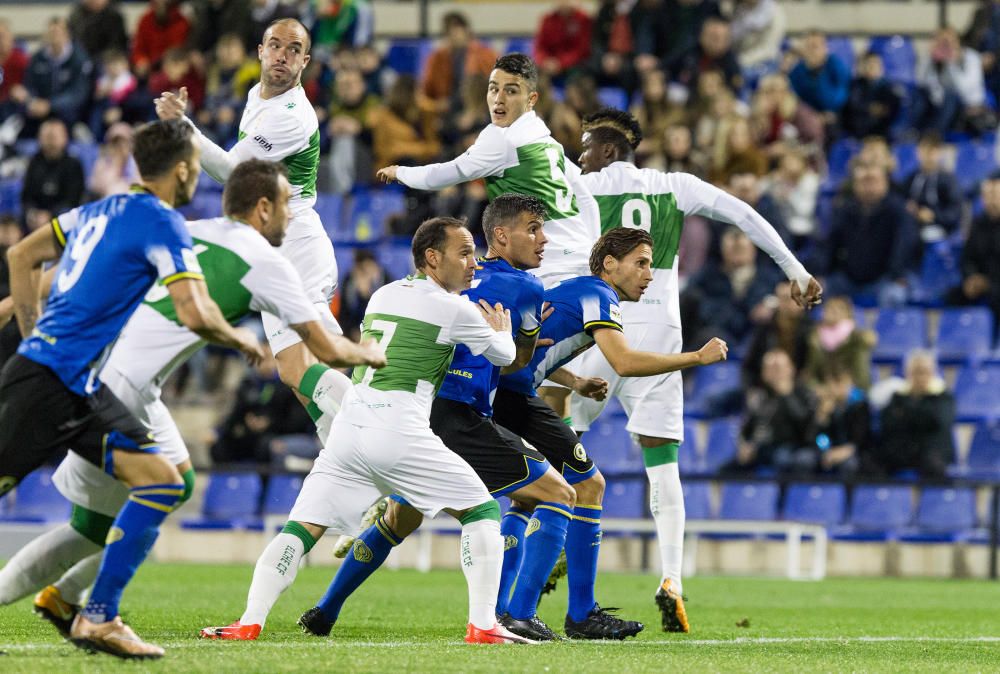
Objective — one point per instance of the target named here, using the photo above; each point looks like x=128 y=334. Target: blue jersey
x=114 y=250
x=473 y=379
x=580 y=306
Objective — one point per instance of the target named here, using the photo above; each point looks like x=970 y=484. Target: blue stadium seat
x=944 y=515
x=974 y=161
x=749 y=501
x=345 y=259
x=613 y=97
x=36 y=500
x=689 y=457
x=899 y=332
x=330 y=208
x=614 y=408
x=977 y=393
x=524 y=45
x=625 y=498
x=899 y=56
x=838 y=161
x=815 y=503
x=10 y=195
x=697 y=500
x=939 y=273
x=983 y=460
x=877 y=513
x=87 y=154
x=279 y=497
x=407 y=56
x=397 y=258
x=720 y=446
x=370 y=210
x=611 y=447
x=710 y=385
x=231 y=501
x=906 y=160
x=963 y=334
x=843 y=47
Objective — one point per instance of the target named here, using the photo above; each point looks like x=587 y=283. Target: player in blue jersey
x=110 y=252
x=585 y=311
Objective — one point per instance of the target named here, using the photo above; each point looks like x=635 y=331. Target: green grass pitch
x=404 y=621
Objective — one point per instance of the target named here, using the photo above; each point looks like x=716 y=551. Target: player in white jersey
x=658 y=202
x=279 y=124
x=244 y=273
x=381 y=442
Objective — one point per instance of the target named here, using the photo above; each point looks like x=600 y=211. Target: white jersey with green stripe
x=243 y=273
x=418 y=324
x=658 y=202
x=525 y=158
x=283 y=128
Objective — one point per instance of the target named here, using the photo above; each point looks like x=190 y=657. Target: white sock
x=482 y=557
x=274 y=573
x=666 y=502
x=74 y=586
x=42 y=561
x=329 y=392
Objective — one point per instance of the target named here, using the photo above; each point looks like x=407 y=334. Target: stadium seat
x=10 y=195
x=407 y=56
x=524 y=45
x=396 y=258
x=977 y=393
x=37 y=501
x=983 y=460
x=345 y=259
x=749 y=501
x=697 y=500
x=613 y=97
x=877 y=513
x=899 y=332
x=964 y=334
x=898 y=55
x=815 y=503
x=231 y=501
x=279 y=497
x=906 y=160
x=611 y=447
x=330 y=208
x=720 y=446
x=974 y=161
x=944 y=515
x=689 y=457
x=939 y=273
x=370 y=211
x=626 y=498
x=86 y=153
x=838 y=161
x=843 y=47
x=712 y=384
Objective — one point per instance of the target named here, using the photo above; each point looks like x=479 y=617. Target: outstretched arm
x=484 y=158
x=627 y=362
x=336 y=350
x=199 y=313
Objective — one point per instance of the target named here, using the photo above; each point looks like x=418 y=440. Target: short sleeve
x=171 y=250
x=470 y=328
x=601 y=310
x=531 y=307
x=63 y=224
x=277 y=288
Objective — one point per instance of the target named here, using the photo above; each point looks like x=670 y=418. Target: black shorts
x=40 y=416
x=530 y=418
x=501 y=459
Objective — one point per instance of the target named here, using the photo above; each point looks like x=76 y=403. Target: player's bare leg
x=318 y=387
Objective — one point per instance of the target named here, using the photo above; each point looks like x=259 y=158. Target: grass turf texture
x=403 y=621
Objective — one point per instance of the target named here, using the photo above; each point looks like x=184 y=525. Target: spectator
x=843 y=423
x=871 y=241
x=613 y=46
x=378 y=76
x=679 y=154
x=177 y=71
x=655 y=112
x=875 y=151
x=932 y=194
x=983 y=35
x=459 y=56
x=781 y=119
x=873 y=103
x=819 y=78
x=97 y=26
x=981 y=253
x=114 y=171
x=713 y=52
x=794 y=186
x=713 y=111
x=566 y=121
x=664 y=29
x=778 y=432
x=401 y=133
x=227 y=81
x=113 y=93
x=563 y=39
x=350 y=157
x=758 y=28
x=788 y=329
x=916 y=425
x=738 y=155
x=366 y=276
x=58 y=79
x=952 y=92
x=53 y=182
x=747 y=187
x=10 y=233
x=161 y=28
x=214 y=19
x=13 y=64
x=342 y=23
x=839 y=343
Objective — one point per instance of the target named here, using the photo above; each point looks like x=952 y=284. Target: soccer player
x=243 y=273
x=657 y=202
x=279 y=124
x=381 y=442
x=51 y=398
x=586 y=311
x=461 y=416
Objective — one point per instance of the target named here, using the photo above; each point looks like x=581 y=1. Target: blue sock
x=583 y=543
x=512 y=529
x=543 y=541
x=369 y=551
x=129 y=541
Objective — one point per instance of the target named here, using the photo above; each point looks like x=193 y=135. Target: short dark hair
x=158 y=146
x=618 y=122
x=291 y=19
x=249 y=182
x=507 y=206
x=521 y=65
x=931 y=138
x=455 y=19
x=617 y=243
x=432 y=233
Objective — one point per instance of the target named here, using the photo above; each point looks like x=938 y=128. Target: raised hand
x=812 y=296
x=496 y=316
x=714 y=351
x=170 y=105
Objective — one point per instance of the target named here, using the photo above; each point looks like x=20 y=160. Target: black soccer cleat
x=558 y=571
x=531 y=628
x=601 y=624
x=673 y=615
x=314 y=622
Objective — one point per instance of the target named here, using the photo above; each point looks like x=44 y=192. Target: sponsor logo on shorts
x=533 y=526
x=509 y=543
x=362 y=552
x=115 y=534
x=579 y=453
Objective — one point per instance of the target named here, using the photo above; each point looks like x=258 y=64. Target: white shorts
x=84 y=484
x=361 y=464
x=654 y=405
x=312 y=257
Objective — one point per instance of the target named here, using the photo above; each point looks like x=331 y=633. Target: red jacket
x=152 y=38
x=565 y=37
x=13 y=71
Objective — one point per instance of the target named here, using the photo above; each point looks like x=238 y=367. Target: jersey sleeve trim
x=530 y=333
x=58 y=232
x=597 y=325
x=181 y=275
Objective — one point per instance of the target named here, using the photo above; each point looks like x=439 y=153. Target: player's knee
x=141 y=470
x=403 y=520
x=559 y=491
x=591 y=490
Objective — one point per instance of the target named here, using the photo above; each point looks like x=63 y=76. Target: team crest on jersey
x=616 y=314
x=509 y=543
x=115 y=534
x=533 y=526
x=362 y=552
x=290 y=106
x=579 y=453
